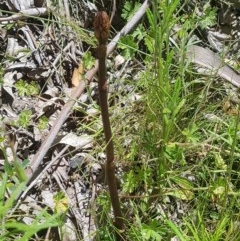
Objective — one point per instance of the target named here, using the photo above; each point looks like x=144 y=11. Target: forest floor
x=174 y=113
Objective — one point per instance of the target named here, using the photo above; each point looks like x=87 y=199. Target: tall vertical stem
x=101 y=30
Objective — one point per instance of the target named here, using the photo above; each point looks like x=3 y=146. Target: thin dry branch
x=31 y=12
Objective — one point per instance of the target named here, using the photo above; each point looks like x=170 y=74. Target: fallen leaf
x=77 y=141
x=77 y=75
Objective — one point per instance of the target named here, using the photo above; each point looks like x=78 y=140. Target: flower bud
x=101 y=27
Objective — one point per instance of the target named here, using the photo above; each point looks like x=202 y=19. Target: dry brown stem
x=101 y=30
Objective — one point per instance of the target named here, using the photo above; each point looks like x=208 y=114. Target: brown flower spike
x=101 y=27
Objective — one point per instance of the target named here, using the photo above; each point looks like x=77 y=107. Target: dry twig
x=33 y=12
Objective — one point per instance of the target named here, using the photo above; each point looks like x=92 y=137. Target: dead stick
x=37 y=159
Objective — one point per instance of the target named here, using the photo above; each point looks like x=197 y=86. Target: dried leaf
x=77 y=75
x=230 y=108
x=77 y=141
